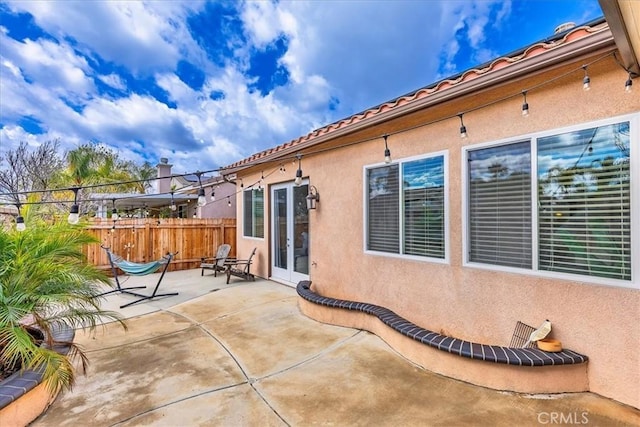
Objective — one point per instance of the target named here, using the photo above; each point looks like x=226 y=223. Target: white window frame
x=365 y=218
x=634 y=169
x=253 y=219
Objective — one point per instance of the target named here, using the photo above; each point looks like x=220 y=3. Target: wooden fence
x=148 y=239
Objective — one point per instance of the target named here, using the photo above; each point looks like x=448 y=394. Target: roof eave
x=620 y=22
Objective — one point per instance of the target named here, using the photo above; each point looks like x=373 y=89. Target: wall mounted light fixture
x=313 y=198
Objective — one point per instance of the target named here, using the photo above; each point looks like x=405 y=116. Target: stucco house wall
x=475 y=304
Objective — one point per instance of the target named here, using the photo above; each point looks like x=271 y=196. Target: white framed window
x=406 y=208
x=253 y=213
x=557 y=203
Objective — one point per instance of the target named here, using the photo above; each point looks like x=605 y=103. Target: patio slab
x=244 y=355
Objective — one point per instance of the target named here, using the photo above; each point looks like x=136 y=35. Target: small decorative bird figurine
x=539 y=333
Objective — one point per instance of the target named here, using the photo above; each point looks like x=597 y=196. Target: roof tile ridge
x=574 y=34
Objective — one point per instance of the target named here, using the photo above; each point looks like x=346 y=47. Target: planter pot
x=23 y=395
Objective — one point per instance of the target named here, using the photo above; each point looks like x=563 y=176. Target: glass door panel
x=280 y=228
x=301 y=230
x=290 y=233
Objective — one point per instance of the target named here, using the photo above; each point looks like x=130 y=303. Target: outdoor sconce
x=313 y=198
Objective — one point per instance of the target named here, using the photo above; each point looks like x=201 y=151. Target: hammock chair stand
x=138 y=270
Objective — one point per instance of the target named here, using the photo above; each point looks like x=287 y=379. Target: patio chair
x=138 y=269
x=241 y=268
x=216 y=263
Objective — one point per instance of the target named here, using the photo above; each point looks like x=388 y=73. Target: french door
x=289 y=233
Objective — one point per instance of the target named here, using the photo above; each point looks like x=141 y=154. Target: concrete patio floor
x=243 y=355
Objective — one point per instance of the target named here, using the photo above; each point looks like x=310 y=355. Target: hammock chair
x=137 y=269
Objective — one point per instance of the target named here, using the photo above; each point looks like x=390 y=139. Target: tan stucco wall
x=469 y=303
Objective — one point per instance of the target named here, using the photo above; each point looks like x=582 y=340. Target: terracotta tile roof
x=535 y=49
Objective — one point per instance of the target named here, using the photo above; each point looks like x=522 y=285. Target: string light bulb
x=586 y=81
x=463 y=128
x=173 y=203
x=74 y=212
x=628 y=85
x=20 y=225
x=387 y=152
x=202 y=198
x=525 y=105
x=298 y=179
x=213 y=194
x=228 y=201
x=114 y=212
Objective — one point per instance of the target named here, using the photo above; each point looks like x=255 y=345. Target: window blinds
x=500 y=205
x=585 y=202
x=383 y=209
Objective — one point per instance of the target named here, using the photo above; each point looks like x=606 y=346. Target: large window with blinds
x=556 y=203
x=253 y=209
x=406 y=207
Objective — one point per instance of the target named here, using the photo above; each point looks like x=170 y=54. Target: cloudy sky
x=208 y=83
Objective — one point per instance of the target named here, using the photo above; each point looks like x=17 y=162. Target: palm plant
x=45 y=283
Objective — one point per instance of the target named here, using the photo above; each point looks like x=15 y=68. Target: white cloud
x=113 y=80
x=139 y=35
x=352 y=55
x=48 y=63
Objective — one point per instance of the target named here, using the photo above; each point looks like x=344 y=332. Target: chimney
x=164 y=176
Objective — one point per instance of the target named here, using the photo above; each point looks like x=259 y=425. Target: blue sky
x=208 y=83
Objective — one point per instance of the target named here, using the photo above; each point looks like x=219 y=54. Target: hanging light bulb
x=387 y=152
x=586 y=81
x=213 y=194
x=173 y=203
x=114 y=212
x=628 y=84
x=74 y=212
x=463 y=128
x=298 y=179
x=525 y=105
x=20 y=225
x=228 y=201
x=202 y=199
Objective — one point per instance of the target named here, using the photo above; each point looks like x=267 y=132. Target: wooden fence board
x=148 y=239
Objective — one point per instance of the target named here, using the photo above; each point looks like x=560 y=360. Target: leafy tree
x=45 y=282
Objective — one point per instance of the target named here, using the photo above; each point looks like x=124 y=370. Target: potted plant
x=46 y=286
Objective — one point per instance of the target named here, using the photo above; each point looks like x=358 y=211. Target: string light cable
x=301 y=152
